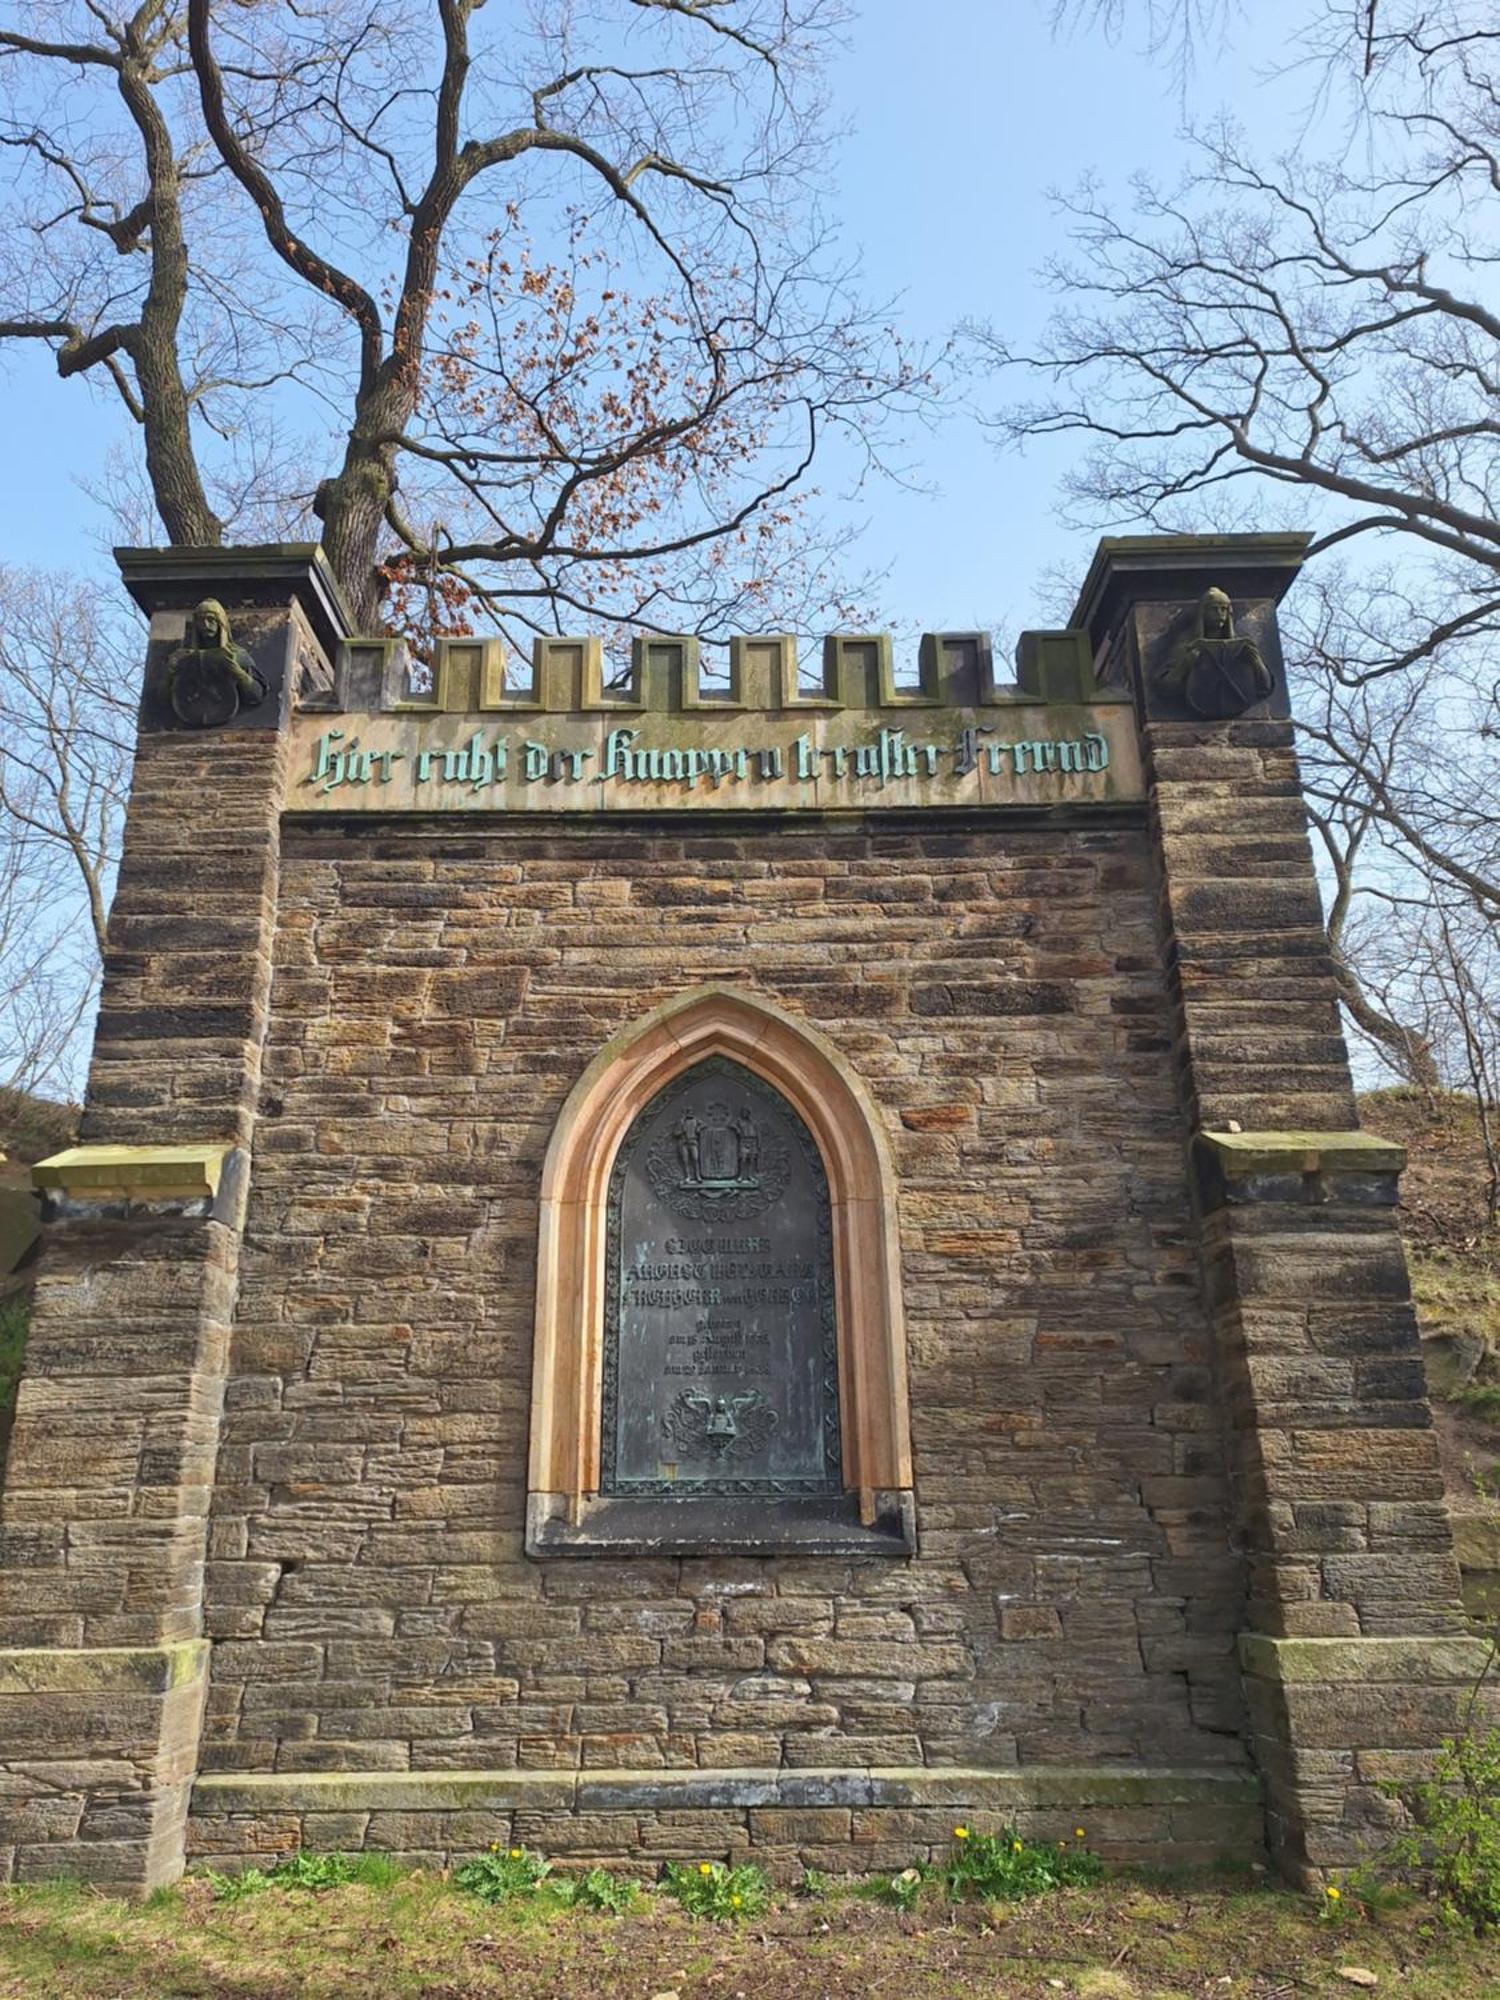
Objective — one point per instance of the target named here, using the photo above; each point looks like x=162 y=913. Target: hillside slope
x=1454 y=1257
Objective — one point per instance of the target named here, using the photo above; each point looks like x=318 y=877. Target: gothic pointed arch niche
x=864 y=1503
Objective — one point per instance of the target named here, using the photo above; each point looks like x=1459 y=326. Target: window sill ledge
x=805 y=1525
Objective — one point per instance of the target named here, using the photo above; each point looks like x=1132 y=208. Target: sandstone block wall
x=1000 y=990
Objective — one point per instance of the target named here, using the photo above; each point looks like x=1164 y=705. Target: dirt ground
x=422 y=1940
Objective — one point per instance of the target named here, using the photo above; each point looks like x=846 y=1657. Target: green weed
x=597 y=1890
x=1002 y=1867
x=235 y=1888
x=306 y=1871
x=1453 y=1844
x=902 y=1891
x=504 y=1874
x=711 y=1889
x=313 y=1871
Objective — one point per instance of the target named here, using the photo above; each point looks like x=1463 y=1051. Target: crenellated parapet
x=467 y=736
x=569 y=676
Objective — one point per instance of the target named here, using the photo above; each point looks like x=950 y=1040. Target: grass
x=1459 y=1290
x=416 y=1937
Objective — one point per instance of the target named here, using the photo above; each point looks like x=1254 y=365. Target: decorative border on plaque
x=728 y=1202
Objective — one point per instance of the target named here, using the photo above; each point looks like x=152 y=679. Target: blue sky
x=963 y=114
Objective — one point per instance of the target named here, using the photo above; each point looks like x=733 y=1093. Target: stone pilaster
x=1354 y=1659
x=102 y=1523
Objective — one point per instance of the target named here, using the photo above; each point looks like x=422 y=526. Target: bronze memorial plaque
x=720 y=1355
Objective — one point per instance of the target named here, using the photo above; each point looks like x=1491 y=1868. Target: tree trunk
x=1410 y=1052
x=355 y=500
x=166 y=420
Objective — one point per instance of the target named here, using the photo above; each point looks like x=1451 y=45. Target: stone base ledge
x=1416 y=1661
x=126 y=1670
x=694 y=1790
x=1295 y=1167
x=826 y=1524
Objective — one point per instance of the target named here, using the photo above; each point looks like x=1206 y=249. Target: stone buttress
x=1354 y=1653
x=104 y=1664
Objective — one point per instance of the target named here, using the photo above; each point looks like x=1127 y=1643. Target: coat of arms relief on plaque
x=715 y=1164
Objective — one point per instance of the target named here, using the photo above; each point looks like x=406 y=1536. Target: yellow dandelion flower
x=1015 y=1847
x=1078 y=1833
x=1334 y=1896
x=735 y=1901
x=960 y=1833
x=515 y=1854
x=494 y=1847
x=705 y=1868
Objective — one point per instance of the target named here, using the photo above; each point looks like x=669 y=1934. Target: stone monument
x=680 y=1269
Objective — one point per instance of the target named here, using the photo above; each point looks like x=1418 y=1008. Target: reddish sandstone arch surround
x=625 y=1075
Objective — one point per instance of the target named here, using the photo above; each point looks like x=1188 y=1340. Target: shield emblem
x=720 y=1153
x=204 y=694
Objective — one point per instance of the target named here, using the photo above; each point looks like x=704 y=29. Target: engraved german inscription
x=721 y=1360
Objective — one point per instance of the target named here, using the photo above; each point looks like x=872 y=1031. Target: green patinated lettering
x=898 y=758
x=328 y=763
x=476 y=764
x=886 y=756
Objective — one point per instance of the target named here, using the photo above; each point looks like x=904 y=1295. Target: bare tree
x=1303 y=326
x=1398 y=787
x=65 y=740
x=1175 y=32
x=1313 y=342
x=529 y=306
x=1429 y=957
